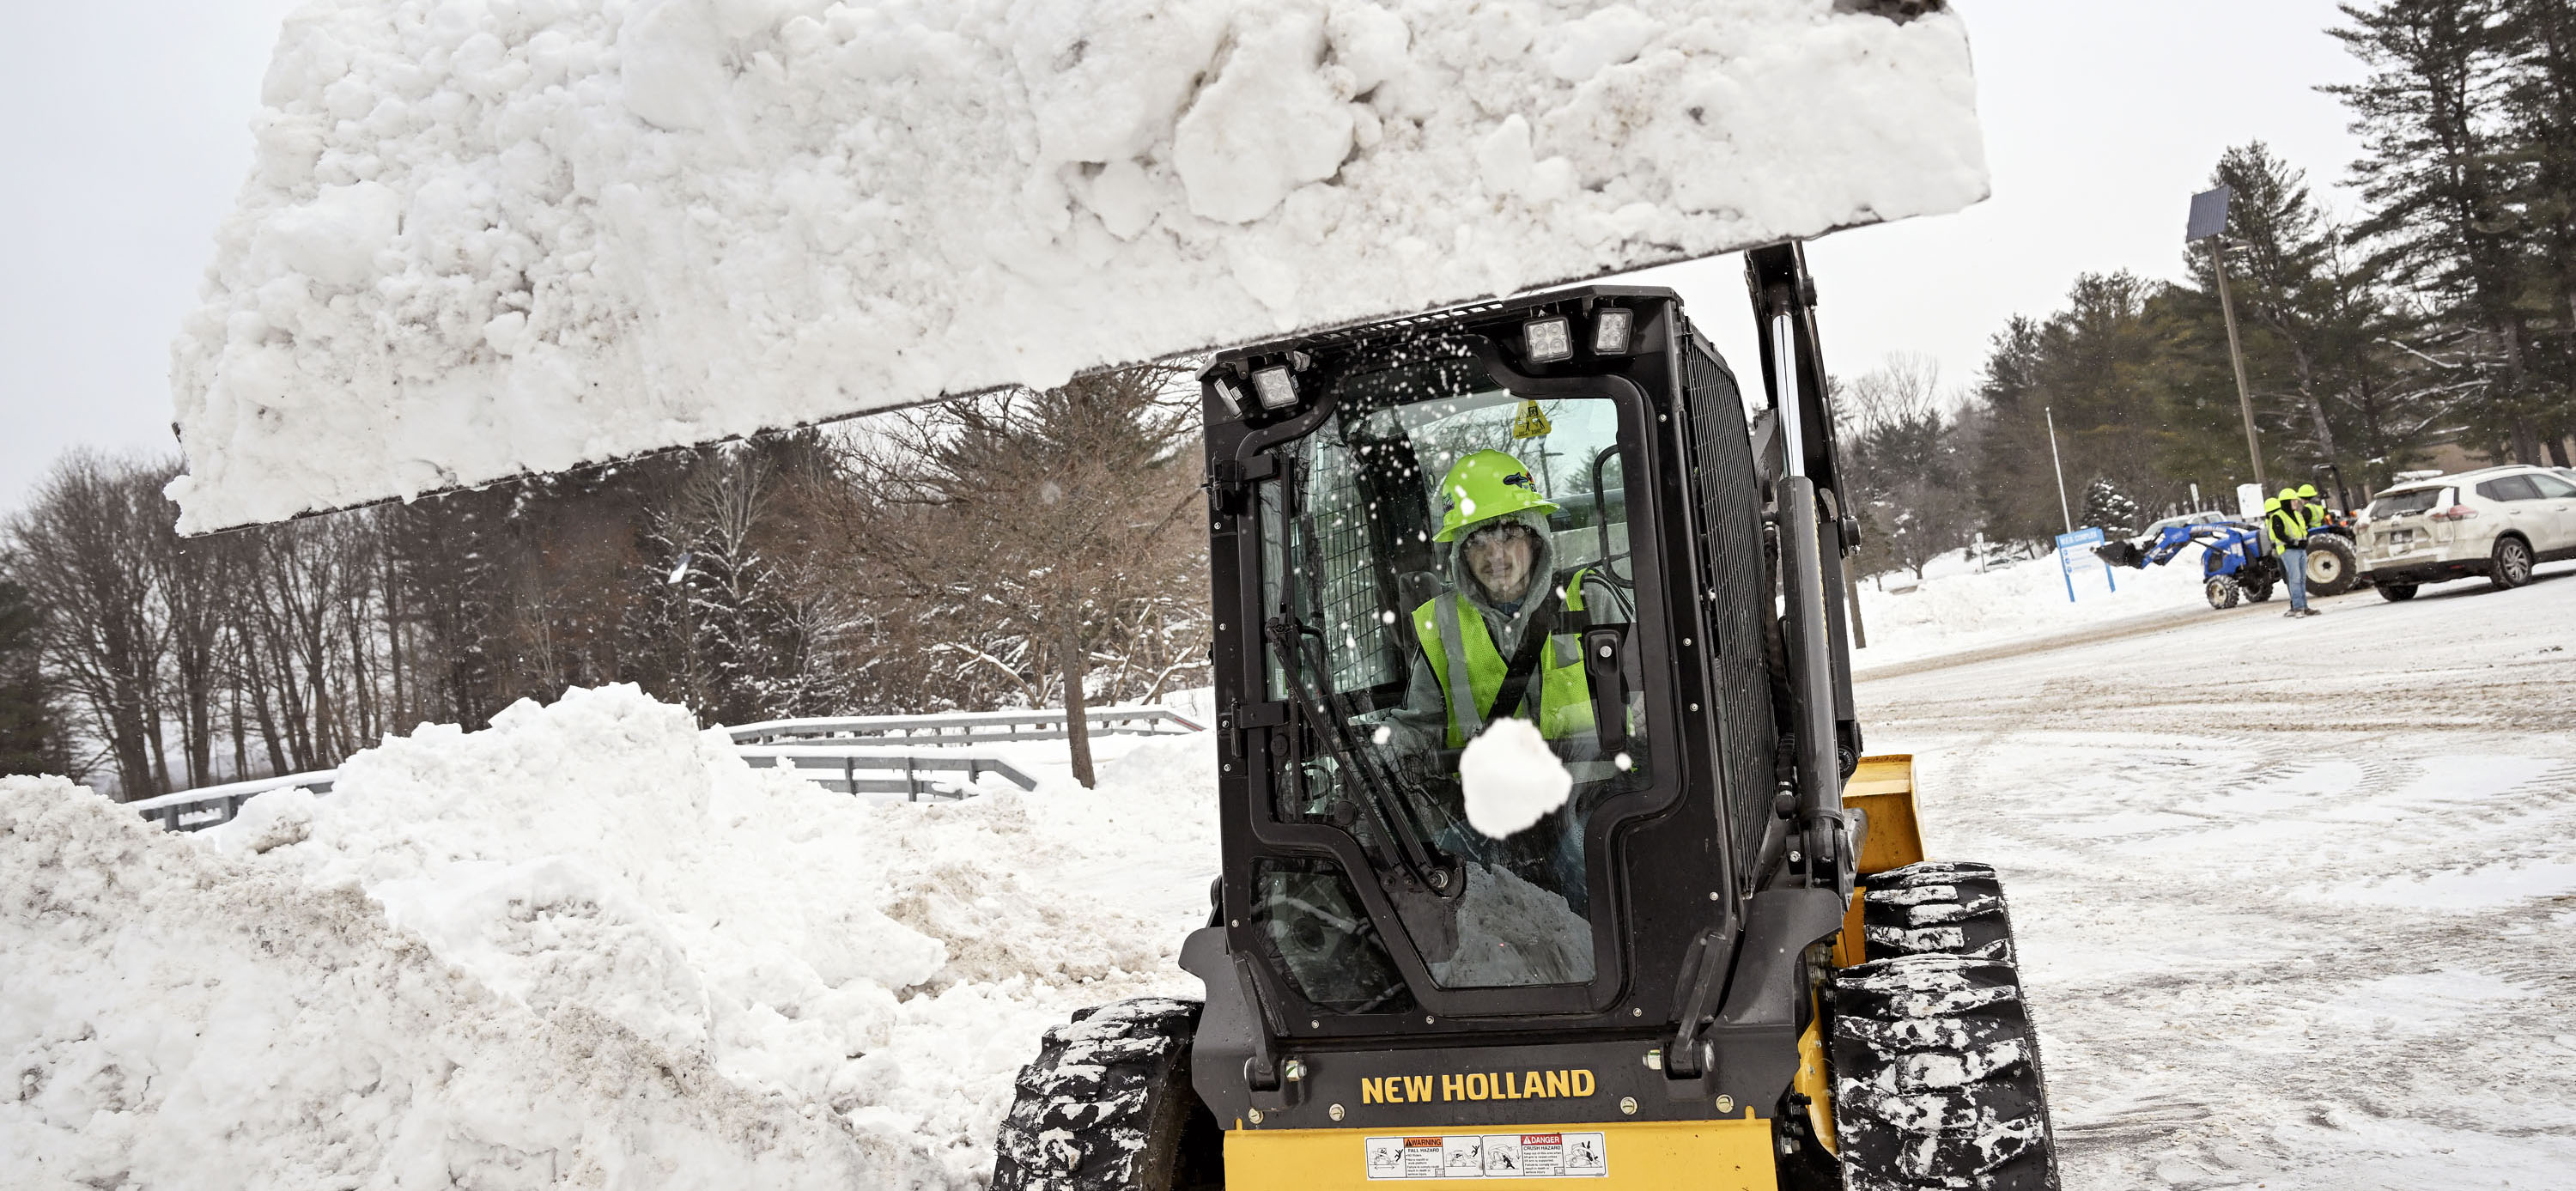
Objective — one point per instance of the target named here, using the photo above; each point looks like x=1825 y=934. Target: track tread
x=1088 y=1107
x=1937 y=1077
x=1943 y=907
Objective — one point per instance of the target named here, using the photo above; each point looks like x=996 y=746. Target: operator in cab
x=1504 y=640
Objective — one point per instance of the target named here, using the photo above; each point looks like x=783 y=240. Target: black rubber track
x=1936 y=1078
x=1937 y=907
x=1107 y=1106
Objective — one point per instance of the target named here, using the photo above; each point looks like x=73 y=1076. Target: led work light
x=1278 y=391
x=1548 y=340
x=1610 y=330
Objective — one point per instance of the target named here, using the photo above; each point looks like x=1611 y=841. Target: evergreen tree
x=2106 y=507
x=2451 y=193
x=2317 y=329
x=2539 y=37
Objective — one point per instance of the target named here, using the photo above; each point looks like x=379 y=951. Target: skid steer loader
x=1724 y=962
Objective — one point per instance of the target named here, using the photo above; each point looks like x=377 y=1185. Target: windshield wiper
x=1329 y=712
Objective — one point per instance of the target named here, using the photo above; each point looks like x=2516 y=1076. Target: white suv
x=2498 y=522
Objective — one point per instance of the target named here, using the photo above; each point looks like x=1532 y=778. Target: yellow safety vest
x=1564 y=692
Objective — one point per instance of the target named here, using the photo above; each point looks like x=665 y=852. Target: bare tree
x=1910 y=463
x=86 y=551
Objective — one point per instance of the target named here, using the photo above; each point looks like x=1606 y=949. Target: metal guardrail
x=969 y=727
x=915 y=768
x=866 y=752
x=208 y=806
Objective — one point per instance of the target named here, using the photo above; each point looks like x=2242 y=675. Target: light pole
x=2063 y=509
x=2209 y=226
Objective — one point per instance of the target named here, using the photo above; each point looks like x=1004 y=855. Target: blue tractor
x=2235 y=561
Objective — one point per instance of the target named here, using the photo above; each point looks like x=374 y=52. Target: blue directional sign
x=2075 y=549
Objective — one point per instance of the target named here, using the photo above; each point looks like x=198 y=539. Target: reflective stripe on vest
x=1462 y=652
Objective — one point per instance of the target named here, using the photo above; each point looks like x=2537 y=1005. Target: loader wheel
x=2333 y=568
x=1937 y=907
x=2396 y=592
x=2222 y=591
x=2259 y=591
x=1107 y=1106
x=1937 y=1079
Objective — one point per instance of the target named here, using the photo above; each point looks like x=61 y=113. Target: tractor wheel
x=2223 y=591
x=1937 y=907
x=2259 y=591
x=2394 y=592
x=2510 y=563
x=1937 y=1079
x=1108 y=1106
x=2333 y=568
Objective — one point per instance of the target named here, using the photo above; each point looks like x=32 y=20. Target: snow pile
x=589 y=946
x=1512 y=779
x=1958 y=608
x=483 y=237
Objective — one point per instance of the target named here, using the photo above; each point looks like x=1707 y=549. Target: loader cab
x=1360 y=897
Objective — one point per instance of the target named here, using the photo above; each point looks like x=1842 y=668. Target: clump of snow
x=1512 y=779
x=588 y=945
x=480 y=239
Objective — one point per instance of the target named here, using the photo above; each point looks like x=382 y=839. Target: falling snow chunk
x=1512 y=778
x=480 y=240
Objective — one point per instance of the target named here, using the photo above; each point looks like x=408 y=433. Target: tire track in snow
x=2295 y=917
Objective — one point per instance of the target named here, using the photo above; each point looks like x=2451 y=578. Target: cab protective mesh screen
x=1730 y=506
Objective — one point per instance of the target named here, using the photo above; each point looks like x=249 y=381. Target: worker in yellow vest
x=1505 y=641
x=2289 y=523
x=1508 y=627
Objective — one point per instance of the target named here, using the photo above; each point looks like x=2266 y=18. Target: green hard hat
x=2307 y=492
x=2289 y=494
x=1486 y=485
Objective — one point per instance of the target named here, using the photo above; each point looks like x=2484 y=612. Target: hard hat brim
x=1450 y=533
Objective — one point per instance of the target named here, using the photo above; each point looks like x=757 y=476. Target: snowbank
x=588 y=945
x=485 y=237
x=1958 y=608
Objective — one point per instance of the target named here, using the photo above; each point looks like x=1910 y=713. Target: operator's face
x=1501 y=559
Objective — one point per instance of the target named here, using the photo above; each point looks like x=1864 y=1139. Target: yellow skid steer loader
x=1722 y=962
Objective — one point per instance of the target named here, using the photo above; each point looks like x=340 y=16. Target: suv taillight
x=2455 y=513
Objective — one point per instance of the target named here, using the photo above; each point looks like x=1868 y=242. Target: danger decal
x=1490 y=1156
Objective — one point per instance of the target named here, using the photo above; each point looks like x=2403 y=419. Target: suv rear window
x=2415 y=500
x=2509 y=488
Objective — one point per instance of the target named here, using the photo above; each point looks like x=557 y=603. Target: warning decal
x=1490 y=1156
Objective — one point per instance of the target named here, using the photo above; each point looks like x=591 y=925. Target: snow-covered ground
x=2298 y=902
x=587 y=945
x=2297 y=898
x=1956 y=608
x=485 y=238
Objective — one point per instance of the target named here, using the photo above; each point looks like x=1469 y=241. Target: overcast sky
x=126 y=135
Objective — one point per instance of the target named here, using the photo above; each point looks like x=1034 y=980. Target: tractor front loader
x=1724 y=962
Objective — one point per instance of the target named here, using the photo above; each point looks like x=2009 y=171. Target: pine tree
x=2107 y=508
x=2450 y=192
x=2540 y=112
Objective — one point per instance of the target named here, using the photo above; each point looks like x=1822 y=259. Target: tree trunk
x=1077 y=728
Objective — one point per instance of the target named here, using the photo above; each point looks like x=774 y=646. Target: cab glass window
x=1433 y=562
